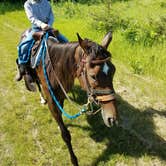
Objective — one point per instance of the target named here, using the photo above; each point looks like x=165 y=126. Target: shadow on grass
x=10 y=7
x=134 y=137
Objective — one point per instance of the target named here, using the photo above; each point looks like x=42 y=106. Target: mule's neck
x=64 y=63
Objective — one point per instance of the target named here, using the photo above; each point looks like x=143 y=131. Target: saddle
x=38 y=38
x=30 y=76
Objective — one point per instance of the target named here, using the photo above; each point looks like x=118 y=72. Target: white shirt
x=39 y=12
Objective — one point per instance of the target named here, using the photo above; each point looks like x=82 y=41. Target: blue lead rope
x=50 y=88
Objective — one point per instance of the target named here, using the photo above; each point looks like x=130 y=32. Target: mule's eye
x=93 y=77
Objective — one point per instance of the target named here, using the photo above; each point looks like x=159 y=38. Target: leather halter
x=94 y=94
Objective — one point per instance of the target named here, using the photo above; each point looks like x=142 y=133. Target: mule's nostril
x=111 y=121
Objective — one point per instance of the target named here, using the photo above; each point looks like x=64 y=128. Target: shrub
x=136 y=66
x=70 y=9
x=133 y=30
x=14 y=1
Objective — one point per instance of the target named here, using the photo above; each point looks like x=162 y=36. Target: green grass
x=142 y=60
x=29 y=134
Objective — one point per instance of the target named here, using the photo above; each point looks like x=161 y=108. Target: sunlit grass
x=148 y=61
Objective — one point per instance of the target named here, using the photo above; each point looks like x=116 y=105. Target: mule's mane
x=61 y=61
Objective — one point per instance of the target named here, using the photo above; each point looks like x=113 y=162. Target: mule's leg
x=64 y=131
x=42 y=99
x=56 y=114
x=67 y=138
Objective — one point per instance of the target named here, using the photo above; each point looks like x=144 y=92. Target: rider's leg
x=20 y=71
x=62 y=38
x=21 y=61
x=23 y=57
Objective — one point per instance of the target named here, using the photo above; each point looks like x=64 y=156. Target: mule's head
x=98 y=76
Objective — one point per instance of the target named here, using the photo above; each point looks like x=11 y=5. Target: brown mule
x=90 y=63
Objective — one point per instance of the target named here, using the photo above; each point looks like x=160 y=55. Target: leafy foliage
x=14 y=1
x=70 y=9
x=148 y=33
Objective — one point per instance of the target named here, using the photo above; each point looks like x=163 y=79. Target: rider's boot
x=20 y=71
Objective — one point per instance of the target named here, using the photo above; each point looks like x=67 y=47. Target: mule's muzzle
x=109 y=114
x=109 y=121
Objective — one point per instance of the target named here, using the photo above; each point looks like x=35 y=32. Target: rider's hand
x=44 y=26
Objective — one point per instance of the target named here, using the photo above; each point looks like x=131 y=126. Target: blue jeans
x=25 y=46
x=61 y=38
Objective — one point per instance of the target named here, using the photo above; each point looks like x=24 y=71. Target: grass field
x=29 y=135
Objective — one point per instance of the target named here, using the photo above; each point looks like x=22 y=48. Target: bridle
x=94 y=95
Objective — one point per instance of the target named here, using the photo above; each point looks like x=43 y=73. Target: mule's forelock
x=93 y=49
x=100 y=52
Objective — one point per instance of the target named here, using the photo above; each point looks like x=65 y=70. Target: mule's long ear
x=81 y=41
x=107 y=39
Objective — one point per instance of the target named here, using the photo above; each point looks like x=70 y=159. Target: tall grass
x=148 y=61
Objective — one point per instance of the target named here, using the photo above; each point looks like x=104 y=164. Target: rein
x=85 y=106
